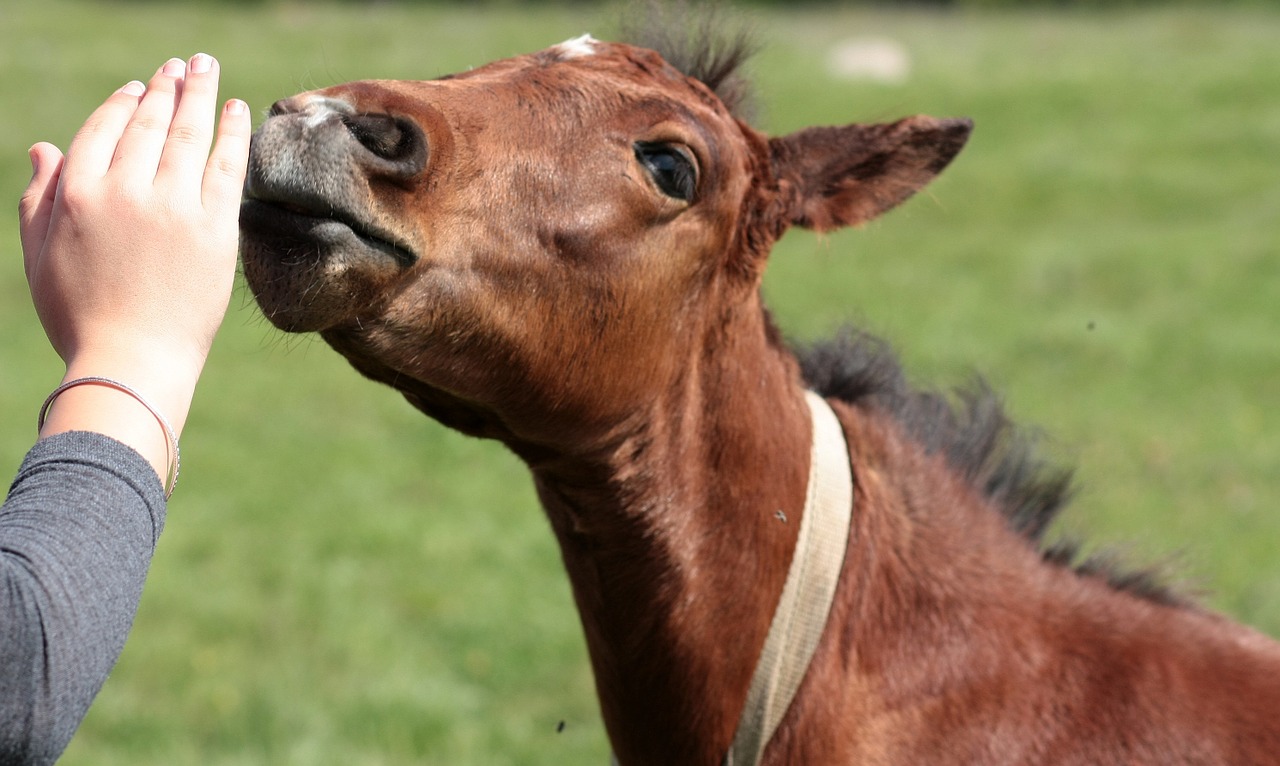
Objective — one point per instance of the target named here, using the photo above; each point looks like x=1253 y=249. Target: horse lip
x=369 y=233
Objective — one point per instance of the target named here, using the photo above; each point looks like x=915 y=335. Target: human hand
x=129 y=241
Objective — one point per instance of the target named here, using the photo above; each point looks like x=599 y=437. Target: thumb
x=36 y=206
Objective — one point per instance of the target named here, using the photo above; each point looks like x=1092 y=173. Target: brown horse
x=563 y=251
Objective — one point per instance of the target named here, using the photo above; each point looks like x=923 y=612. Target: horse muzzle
x=312 y=222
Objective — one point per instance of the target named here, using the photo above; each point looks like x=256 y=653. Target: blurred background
x=343 y=581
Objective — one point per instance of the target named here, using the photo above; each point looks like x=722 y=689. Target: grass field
x=344 y=582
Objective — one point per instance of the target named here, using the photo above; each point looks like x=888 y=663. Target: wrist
x=167 y=382
x=112 y=408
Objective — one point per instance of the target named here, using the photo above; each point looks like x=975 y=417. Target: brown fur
x=489 y=245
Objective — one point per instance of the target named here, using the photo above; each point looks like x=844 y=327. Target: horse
x=563 y=251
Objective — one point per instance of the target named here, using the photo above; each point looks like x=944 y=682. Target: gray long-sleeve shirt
x=77 y=532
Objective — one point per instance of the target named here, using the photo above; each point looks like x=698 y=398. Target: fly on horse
x=563 y=251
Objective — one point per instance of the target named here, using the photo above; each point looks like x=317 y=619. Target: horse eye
x=671 y=168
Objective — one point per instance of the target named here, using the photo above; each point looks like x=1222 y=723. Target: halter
x=801 y=614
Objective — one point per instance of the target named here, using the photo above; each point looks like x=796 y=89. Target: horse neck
x=677 y=541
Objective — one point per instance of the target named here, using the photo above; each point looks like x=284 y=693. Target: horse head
x=527 y=249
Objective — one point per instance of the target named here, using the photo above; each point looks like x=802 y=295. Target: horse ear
x=844 y=176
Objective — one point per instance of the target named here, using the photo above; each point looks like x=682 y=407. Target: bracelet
x=173 y=458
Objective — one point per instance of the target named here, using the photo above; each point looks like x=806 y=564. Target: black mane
x=979 y=441
x=697 y=42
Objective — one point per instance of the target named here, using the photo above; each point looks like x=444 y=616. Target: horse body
x=563 y=251
x=965 y=647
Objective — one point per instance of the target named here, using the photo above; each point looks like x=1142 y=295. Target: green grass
x=345 y=582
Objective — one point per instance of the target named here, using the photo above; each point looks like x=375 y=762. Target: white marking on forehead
x=584 y=45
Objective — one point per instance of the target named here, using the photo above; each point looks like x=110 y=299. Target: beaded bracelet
x=173 y=458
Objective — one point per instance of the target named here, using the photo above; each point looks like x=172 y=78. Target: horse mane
x=697 y=42
x=970 y=428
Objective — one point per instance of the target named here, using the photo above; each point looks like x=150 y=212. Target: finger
x=186 y=148
x=36 y=205
x=138 y=153
x=225 y=170
x=95 y=143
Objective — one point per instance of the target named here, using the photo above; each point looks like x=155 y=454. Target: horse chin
x=310 y=273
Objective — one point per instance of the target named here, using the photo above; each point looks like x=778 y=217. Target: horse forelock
x=972 y=431
x=699 y=44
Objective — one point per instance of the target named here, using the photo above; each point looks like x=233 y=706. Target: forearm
x=129 y=244
x=77 y=533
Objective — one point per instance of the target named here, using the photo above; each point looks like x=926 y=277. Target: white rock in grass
x=869 y=58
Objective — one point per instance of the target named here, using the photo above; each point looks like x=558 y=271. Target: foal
x=563 y=251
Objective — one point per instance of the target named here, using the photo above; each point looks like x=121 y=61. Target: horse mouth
x=311 y=266
x=330 y=226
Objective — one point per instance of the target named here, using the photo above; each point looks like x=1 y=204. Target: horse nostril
x=397 y=140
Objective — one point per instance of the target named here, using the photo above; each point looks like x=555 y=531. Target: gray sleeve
x=76 y=536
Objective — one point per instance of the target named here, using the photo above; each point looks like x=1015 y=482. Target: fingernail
x=201 y=63
x=34 y=156
x=133 y=88
x=236 y=106
x=174 y=67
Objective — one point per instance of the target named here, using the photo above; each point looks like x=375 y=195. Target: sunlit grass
x=345 y=582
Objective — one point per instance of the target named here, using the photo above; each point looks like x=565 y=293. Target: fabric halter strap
x=801 y=614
